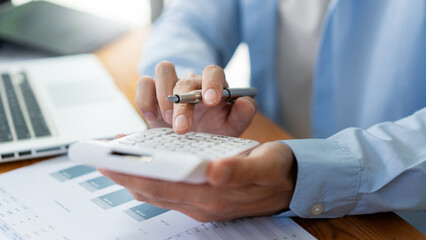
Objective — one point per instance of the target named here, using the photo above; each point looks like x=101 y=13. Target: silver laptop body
x=47 y=104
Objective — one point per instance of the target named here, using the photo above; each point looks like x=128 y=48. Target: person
x=347 y=77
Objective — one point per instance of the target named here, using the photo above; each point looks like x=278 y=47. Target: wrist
x=288 y=172
x=317 y=193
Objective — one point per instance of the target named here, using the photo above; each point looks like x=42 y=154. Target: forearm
x=363 y=171
x=193 y=34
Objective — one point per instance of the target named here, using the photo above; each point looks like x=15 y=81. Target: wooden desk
x=121 y=58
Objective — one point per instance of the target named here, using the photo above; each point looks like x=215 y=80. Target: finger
x=192 y=211
x=165 y=203
x=176 y=192
x=201 y=196
x=183 y=113
x=165 y=80
x=223 y=211
x=217 y=206
x=119 y=136
x=242 y=113
x=146 y=99
x=213 y=83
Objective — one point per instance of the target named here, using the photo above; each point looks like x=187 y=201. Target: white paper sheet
x=59 y=199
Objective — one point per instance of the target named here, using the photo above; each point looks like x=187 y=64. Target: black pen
x=229 y=94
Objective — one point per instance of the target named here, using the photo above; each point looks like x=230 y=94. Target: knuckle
x=186 y=83
x=214 y=207
x=190 y=76
x=214 y=75
x=138 y=197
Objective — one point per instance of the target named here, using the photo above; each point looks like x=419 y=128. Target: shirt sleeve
x=193 y=34
x=360 y=171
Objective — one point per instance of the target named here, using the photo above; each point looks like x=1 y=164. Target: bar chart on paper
x=77 y=202
x=110 y=200
x=97 y=183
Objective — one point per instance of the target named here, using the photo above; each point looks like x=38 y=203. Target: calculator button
x=205 y=145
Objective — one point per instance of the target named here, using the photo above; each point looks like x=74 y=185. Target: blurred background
x=136 y=13
x=132 y=12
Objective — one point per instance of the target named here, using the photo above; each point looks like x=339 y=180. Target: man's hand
x=258 y=184
x=212 y=116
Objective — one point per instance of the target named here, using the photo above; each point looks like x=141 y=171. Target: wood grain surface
x=121 y=58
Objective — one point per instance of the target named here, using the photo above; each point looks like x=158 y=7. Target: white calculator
x=160 y=153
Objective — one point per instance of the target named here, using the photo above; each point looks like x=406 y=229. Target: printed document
x=62 y=200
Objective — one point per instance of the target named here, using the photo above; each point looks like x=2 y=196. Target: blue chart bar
x=72 y=172
x=96 y=184
x=113 y=199
x=144 y=212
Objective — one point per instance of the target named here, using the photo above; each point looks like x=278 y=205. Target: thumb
x=267 y=165
x=242 y=113
x=240 y=172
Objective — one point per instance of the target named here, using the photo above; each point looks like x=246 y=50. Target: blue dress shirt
x=371 y=74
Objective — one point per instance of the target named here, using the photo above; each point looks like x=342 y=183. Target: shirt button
x=317 y=209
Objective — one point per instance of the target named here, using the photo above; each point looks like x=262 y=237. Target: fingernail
x=169 y=116
x=253 y=108
x=181 y=122
x=249 y=112
x=210 y=96
x=149 y=116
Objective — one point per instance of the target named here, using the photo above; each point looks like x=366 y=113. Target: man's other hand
x=260 y=183
x=211 y=116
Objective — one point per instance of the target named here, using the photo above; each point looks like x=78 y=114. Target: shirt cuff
x=328 y=178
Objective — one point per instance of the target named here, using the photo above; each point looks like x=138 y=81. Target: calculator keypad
x=206 y=145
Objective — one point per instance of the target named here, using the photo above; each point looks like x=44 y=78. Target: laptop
x=55 y=29
x=47 y=104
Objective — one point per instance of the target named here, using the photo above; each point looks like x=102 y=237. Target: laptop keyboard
x=21 y=128
x=26 y=119
x=36 y=116
x=5 y=134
